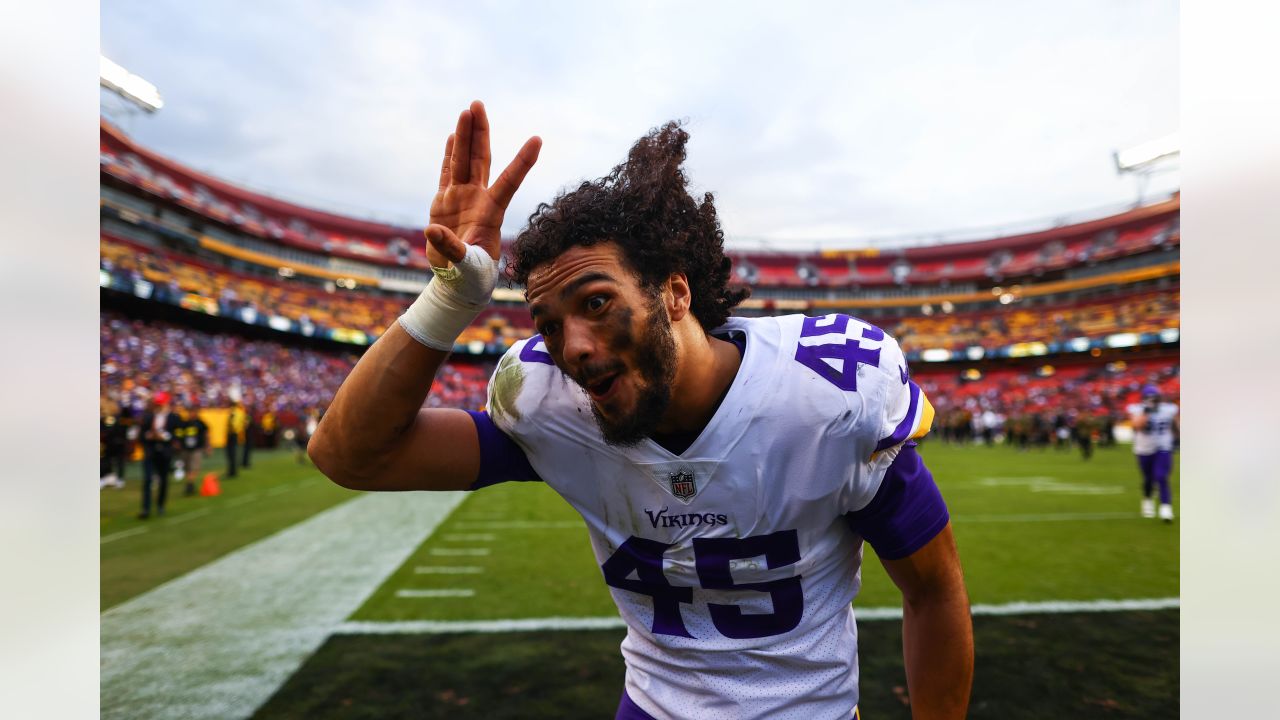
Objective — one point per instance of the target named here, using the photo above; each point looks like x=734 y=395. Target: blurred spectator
x=159 y=443
x=237 y=421
x=193 y=445
x=268 y=429
x=250 y=435
x=112 y=441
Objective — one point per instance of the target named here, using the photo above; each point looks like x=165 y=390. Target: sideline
x=437 y=627
x=219 y=641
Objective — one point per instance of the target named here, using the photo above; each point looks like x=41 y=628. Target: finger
x=460 y=160
x=444 y=164
x=442 y=240
x=481 y=157
x=504 y=188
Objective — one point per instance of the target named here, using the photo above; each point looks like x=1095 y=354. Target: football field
x=290 y=597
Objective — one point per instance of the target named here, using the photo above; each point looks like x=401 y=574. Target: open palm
x=467 y=210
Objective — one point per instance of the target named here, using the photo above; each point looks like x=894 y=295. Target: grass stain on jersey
x=508 y=381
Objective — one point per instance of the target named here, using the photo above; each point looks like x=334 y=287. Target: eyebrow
x=573 y=286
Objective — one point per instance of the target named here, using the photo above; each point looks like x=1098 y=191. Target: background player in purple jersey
x=1154 y=425
x=625 y=307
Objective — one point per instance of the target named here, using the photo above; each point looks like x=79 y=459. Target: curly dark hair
x=644 y=206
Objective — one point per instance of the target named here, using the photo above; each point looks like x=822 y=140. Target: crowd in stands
x=1148 y=312
x=181 y=276
x=142 y=357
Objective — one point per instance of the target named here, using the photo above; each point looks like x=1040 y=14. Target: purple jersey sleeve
x=501 y=459
x=906 y=512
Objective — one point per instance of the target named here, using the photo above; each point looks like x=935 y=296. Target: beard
x=656 y=365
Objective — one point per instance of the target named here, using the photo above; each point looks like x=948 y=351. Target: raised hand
x=467 y=210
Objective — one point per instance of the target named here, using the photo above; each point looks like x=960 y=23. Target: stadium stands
x=141 y=357
x=202 y=286
x=373 y=244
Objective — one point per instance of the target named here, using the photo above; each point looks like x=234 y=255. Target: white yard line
x=122 y=534
x=520 y=524
x=280 y=490
x=1078 y=606
x=240 y=500
x=218 y=641
x=435 y=627
x=474 y=537
x=448 y=570
x=1044 y=517
x=187 y=516
x=460 y=552
x=450 y=593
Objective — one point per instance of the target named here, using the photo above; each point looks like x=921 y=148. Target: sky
x=816 y=124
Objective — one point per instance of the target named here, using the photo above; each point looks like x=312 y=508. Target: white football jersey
x=1159 y=432
x=732 y=563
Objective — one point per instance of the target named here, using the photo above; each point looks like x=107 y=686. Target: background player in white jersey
x=1154 y=423
x=728 y=469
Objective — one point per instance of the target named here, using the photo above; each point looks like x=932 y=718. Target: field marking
x=459 y=552
x=188 y=516
x=520 y=524
x=1045 y=517
x=473 y=537
x=240 y=500
x=220 y=640
x=455 y=592
x=280 y=490
x=438 y=627
x=1050 y=484
x=448 y=570
x=1078 y=606
x=122 y=534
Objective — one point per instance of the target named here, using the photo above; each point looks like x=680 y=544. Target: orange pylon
x=209 y=486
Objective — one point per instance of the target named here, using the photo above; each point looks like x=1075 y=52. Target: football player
x=728 y=469
x=1154 y=423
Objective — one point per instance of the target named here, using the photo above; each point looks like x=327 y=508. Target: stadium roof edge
x=1138 y=214
x=325 y=219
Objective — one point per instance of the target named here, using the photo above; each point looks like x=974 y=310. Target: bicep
x=440 y=451
x=456 y=450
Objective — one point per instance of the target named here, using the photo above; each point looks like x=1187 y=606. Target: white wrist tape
x=452 y=300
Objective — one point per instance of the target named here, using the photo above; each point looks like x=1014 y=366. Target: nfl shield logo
x=682 y=485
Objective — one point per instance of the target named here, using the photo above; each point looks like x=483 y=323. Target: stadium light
x=1140 y=158
x=128 y=86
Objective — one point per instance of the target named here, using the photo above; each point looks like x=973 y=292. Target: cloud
x=809 y=121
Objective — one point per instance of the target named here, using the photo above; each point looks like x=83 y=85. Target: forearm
x=374 y=408
x=937 y=647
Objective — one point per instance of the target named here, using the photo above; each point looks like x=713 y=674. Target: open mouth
x=602 y=388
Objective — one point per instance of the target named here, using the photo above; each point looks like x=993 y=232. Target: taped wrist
x=451 y=300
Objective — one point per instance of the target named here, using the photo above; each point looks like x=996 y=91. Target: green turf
x=273 y=494
x=1096 y=665
x=550 y=571
x=1090 y=665
x=539 y=572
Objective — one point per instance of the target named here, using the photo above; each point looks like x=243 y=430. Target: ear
x=678 y=297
